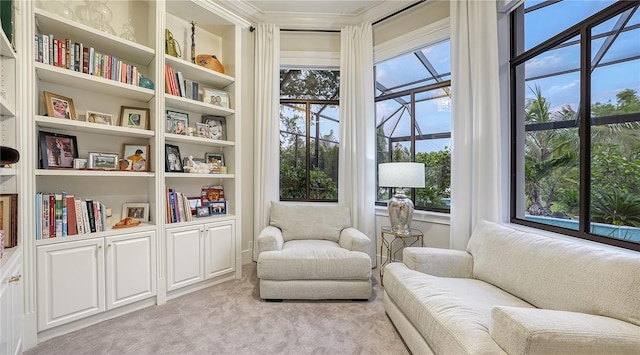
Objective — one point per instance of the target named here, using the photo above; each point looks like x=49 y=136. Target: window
x=576 y=119
x=309 y=133
x=413 y=120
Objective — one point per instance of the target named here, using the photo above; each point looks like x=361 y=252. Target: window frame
x=583 y=30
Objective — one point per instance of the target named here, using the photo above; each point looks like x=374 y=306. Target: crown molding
x=317 y=21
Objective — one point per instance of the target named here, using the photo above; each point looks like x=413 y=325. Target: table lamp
x=400 y=176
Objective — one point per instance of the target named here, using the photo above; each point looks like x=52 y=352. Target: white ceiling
x=315 y=14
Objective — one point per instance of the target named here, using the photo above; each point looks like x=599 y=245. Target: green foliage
x=437 y=179
x=615 y=207
x=310 y=84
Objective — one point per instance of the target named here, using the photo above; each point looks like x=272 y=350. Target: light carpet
x=230 y=318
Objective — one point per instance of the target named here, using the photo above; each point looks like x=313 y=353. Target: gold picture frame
x=59 y=106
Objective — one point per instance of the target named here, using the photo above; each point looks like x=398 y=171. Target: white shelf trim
x=88 y=127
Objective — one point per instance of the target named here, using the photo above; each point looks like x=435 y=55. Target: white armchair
x=311 y=252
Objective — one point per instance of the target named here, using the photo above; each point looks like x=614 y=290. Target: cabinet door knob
x=15 y=278
x=99 y=246
x=109 y=245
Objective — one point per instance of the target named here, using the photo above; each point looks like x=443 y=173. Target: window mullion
x=584 y=130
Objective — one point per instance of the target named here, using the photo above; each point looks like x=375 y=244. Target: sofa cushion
x=452 y=314
x=313 y=260
x=542 y=331
x=309 y=221
x=557 y=274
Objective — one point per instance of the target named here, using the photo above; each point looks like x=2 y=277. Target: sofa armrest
x=354 y=240
x=542 y=331
x=439 y=262
x=270 y=238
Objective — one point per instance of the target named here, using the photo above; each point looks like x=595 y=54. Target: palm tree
x=545 y=152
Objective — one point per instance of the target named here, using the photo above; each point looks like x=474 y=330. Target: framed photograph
x=172 y=159
x=136 y=157
x=219 y=207
x=106 y=161
x=99 y=117
x=137 y=211
x=202 y=211
x=134 y=117
x=214 y=158
x=57 y=150
x=215 y=97
x=194 y=203
x=9 y=219
x=217 y=126
x=210 y=194
x=59 y=106
x=179 y=122
x=203 y=130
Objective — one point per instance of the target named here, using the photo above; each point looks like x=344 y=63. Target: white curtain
x=267 y=124
x=356 y=180
x=476 y=188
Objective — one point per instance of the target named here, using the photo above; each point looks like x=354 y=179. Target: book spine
x=79 y=219
x=58 y=215
x=71 y=216
x=40 y=49
x=60 y=56
x=45 y=216
x=85 y=217
x=85 y=60
x=50 y=49
x=65 y=215
x=45 y=49
x=92 y=219
x=78 y=57
x=96 y=215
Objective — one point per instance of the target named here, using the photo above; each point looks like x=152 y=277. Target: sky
x=560 y=90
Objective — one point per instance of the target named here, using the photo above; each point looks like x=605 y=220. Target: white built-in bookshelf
x=115 y=271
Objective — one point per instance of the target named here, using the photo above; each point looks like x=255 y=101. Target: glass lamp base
x=400 y=212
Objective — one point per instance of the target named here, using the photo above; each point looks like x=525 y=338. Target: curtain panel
x=357 y=173
x=266 y=124
x=476 y=188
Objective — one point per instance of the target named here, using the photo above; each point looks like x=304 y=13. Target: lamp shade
x=401 y=175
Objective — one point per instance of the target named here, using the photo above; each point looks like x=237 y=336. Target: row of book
x=177 y=85
x=66 y=54
x=178 y=207
x=61 y=215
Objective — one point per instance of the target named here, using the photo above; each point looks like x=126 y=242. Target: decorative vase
x=146 y=82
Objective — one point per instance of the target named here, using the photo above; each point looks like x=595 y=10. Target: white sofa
x=310 y=251
x=516 y=293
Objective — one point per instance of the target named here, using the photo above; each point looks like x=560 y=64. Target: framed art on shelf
x=136 y=157
x=137 y=211
x=57 y=150
x=106 y=161
x=9 y=219
x=173 y=162
x=214 y=158
x=202 y=129
x=99 y=117
x=218 y=207
x=215 y=97
x=59 y=106
x=134 y=117
x=194 y=203
x=217 y=126
x=179 y=122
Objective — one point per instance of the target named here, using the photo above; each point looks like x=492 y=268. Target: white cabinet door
x=70 y=281
x=130 y=268
x=219 y=248
x=185 y=265
x=11 y=311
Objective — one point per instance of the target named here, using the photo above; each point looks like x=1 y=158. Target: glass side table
x=415 y=237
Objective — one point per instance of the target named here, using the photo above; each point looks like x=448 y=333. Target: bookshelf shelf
x=91 y=83
x=5 y=109
x=200 y=74
x=183 y=103
x=110 y=232
x=176 y=138
x=88 y=127
x=90 y=173
x=198 y=176
x=49 y=23
x=5 y=47
x=7 y=172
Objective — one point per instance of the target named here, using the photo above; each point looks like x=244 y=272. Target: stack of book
x=177 y=85
x=66 y=54
x=178 y=207
x=62 y=215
